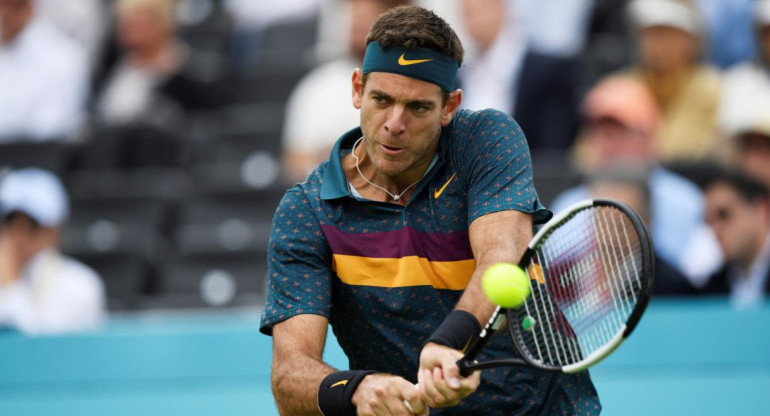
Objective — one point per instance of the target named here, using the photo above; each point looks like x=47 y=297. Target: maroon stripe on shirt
x=399 y=243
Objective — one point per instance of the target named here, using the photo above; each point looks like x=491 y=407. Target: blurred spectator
x=41 y=290
x=687 y=92
x=556 y=27
x=43 y=74
x=155 y=80
x=753 y=147
x=320 y=106
x=253 y=17
x=728 y=23
x=745 y=107
x=738 y=209
x=621 y=121
x=631 y=188
x=256 y=14
x=538 y=90
x=84 y=21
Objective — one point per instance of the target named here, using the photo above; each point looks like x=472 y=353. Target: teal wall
x=687 y=357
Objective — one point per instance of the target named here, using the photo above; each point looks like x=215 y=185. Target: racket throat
x=597 y=355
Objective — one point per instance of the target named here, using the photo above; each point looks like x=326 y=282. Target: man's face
x=26 y=236
x=141 y=28
x=401 y=119
x=665 y=49
x=737 y=224
x=626 y=193
x=14 y=15
x=617 y=143
x=483 y=20
x=754 y=156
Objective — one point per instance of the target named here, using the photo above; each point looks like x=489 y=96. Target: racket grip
x=465 y=366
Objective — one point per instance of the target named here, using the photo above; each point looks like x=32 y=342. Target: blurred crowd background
x=149 y=141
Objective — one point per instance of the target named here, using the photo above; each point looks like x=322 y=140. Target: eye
x=379 y=99
x=419 y=108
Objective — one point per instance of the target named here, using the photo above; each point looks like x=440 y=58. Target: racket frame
x=468 y=365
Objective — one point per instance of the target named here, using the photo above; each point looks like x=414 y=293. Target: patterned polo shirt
x=387 y=275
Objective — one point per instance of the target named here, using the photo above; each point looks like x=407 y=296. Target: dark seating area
x=167 y=222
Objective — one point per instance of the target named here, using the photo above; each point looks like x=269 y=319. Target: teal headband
x=420 y=63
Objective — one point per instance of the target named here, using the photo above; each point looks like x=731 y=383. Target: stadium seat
x=242 y=163
x=139 y=183
x=123 y=239
x=126 y=277
x=52 y=156
x=225 y=224
x=213 y=281
x=257 y=118
x=132 y=147
x=283 y=50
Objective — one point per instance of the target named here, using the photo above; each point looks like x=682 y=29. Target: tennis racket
x=590 y=273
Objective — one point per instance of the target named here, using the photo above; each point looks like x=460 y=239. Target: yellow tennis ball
x=505 y=284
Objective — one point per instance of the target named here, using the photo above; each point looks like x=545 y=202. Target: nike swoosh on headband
x=404 y=62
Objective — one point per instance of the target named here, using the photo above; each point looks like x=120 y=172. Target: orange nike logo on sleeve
x=467 y=344
x=437 y=193
x=404 y=62
x=339 y=383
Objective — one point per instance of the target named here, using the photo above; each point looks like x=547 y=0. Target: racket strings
x=591 y=275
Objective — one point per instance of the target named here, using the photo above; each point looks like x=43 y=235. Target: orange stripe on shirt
x=403 y=272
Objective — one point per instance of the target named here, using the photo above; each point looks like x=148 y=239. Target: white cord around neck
x=395 y=197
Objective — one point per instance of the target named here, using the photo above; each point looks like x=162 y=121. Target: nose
x=395 y=124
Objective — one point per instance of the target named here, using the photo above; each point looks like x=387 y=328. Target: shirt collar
x=335 y=184
x=747 y=286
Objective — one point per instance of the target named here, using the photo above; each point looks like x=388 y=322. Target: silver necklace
x=395 y=197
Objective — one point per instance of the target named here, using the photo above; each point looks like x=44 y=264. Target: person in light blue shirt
x=621 y=119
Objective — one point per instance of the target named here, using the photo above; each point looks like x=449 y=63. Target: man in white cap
x=41 y=290
x=750 y=137
x=745 y=108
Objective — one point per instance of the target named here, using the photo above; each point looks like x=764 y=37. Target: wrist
x=459 y=331
x=335 y=394
x=356 y=397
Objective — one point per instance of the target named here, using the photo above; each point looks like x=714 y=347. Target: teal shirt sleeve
x=493 y=163
x=299 y=263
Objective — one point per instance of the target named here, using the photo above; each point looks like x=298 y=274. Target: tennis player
x=388 y=239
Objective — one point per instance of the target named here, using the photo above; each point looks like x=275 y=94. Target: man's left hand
x=439 y=377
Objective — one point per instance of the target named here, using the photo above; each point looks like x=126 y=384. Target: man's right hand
x=383 y=394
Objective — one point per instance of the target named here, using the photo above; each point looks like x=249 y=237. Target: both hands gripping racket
x=590 y=272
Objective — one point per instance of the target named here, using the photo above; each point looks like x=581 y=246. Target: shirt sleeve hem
x=539 y=215
x=267 y=324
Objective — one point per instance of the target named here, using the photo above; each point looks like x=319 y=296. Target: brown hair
x=414 y=27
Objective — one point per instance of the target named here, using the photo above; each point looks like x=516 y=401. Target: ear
x=357 y=82
x=451 y=107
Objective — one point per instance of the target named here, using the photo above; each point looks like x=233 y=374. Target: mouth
x=391 y=150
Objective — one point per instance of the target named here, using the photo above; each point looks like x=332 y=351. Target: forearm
x=295 y=383
x=298 y=366
x=474 y=300
x=495 y=239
